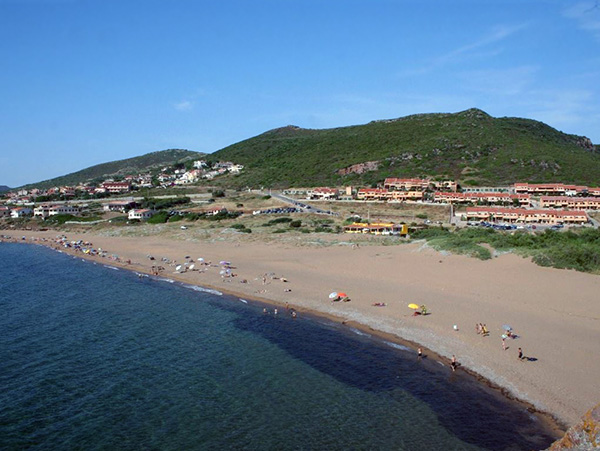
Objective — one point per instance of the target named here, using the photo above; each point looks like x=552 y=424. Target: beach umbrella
x=224 y=263
x=201 y=260
x=178 y=267
x=414 y=306
x=342 y=295
x=333 y=295
x=192 y=266
x=506 y=327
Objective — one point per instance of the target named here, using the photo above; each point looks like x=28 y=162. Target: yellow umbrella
x=414 y=306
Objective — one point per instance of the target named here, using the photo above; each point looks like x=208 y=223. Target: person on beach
x=521 y=356
x=503 y=344
x=419 y=354
x=453 y=363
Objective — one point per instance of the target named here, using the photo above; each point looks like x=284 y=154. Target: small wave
x=243 y=300
x=111 y=267
x=360 y=332
x=162 y=279
x=396 y=346
x=203 y=290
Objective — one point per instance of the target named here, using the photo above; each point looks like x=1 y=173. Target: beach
x=554 y=313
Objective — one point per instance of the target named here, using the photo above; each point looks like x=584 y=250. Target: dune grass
x=579 y=249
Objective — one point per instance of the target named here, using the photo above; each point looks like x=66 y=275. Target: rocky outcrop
x=585 y=435
x=586 y=143
x=360 y=168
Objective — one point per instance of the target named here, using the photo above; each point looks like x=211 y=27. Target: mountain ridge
x=146 y=162
x=470 y=146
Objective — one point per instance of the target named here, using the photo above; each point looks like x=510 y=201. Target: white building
x=63 y=210
x=20 y=212
x=142 y=215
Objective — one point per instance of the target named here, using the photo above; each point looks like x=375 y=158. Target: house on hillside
x=121 y=206
x=142 y=215
x=21 y=212
x=322 y=193
x=116 y=187
x=4 y=212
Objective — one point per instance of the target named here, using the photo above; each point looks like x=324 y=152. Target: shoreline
x=347 y=316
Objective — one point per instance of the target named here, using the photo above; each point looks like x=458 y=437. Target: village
x=517 y=206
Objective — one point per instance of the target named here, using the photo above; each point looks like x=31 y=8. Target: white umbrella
x=192 y=266
x=201 y=260
x=333 y=295
x=178 y=267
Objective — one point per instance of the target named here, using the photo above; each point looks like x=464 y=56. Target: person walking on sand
x=503 y=344
x=419 y=354
x=521 y=356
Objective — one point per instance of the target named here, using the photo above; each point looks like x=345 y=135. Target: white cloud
x=506 y=82
x=184 y=105
x=477 y=49
x=587 y=15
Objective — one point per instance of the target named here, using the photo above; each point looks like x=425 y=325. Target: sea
x=94 y=358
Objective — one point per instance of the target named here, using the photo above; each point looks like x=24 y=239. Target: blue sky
x=85 y=82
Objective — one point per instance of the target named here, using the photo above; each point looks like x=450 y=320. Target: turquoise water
x=97 y=358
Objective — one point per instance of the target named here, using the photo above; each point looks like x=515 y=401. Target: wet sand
x=555 y=313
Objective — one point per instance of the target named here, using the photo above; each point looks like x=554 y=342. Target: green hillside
x=469 y=146
x=148 y=162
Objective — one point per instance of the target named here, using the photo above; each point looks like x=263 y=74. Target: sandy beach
x=554 y=313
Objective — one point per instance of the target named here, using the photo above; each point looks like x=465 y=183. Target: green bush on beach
x=579 y=250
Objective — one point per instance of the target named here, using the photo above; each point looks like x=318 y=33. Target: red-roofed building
x=526 y=216
x=397 y=184
x=575 y=203
x=373 y=194
x=523 y=200
x=116 y=187
x=551 y=189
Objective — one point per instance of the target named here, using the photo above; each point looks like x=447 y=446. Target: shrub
x=238 y=226
x=159 y=218
x=218 y=193
x=421 y=216
x=295 y=224
x=279 y=221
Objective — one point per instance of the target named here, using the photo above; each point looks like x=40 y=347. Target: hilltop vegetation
x=469 y=146
x=148 y=162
